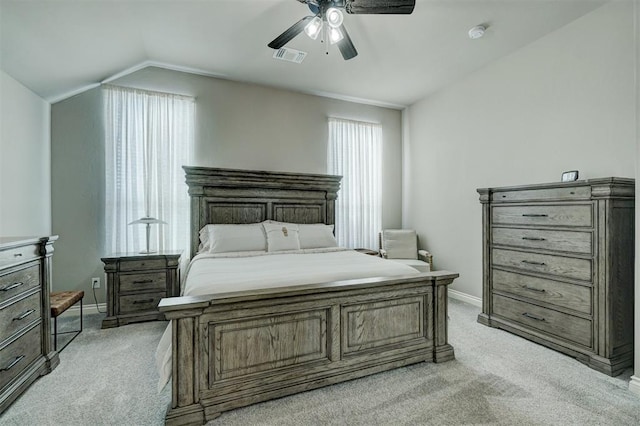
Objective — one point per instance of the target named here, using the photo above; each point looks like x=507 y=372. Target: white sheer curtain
x=149 y=137
x=355 y=152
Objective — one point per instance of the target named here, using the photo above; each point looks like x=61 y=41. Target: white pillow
x=281 y=236
x=205 y=244
x=225 y=238
x=316 y=235
x=400 y=243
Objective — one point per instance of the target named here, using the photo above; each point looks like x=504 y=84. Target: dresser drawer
x=19 y=314
x=18 y=254
x=140 y=302
x=17 y=282
x=560 y=266
x=567 y=241
x=580 y=215
x=142 y=264
x=568 y=327
x=143 y=282
x=570 y=296
x=18 y=355
x=543 y=194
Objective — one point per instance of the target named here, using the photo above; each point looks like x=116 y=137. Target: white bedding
x=229 y=272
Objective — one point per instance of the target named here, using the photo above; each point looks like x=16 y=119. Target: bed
x=245 y=343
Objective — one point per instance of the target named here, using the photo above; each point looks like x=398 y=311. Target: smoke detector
x=477 y=32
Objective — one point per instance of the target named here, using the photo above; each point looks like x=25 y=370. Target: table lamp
x=148 y=221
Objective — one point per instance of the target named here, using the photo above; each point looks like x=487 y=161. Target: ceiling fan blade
x=346 y=46
x=396 y=7
x=290 y=33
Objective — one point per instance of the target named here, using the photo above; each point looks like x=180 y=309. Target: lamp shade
x=147 y=221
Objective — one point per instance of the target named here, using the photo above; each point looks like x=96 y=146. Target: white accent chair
x=401 y=245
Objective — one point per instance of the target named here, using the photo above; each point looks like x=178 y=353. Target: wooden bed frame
x=235 y=349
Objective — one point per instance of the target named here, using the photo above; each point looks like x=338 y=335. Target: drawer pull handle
x=17 y=255
x=535 y=215
x=531 y=262
x=11 y=287
x=539 y=290
x=534 y=238
x=533 y=317
x=13 y=363
x=142 y=281
x=135 y=302
x=24 y=315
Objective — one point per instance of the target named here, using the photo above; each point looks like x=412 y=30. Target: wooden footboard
x=236 y=349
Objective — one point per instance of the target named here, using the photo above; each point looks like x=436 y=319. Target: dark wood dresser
x=25 y=332
x=558 y=267
x=135 y=284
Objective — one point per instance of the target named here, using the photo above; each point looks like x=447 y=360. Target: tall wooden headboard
x=250 y=196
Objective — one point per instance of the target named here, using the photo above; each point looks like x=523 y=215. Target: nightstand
x=135 y=284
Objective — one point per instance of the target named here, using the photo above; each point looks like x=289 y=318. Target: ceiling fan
x=328 y=17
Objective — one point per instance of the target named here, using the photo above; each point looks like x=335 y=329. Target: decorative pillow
x=281 y=236
x=225 y=238
x=316 y=235
x=400 y=243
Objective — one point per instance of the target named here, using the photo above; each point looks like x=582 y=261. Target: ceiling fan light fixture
x=334 y=17
x=335 y=35
x=313 y=28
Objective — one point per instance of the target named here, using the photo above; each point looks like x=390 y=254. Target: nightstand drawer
x=18 y=282
x=567 y=241
x=568 y=327
x=143 y=282
x=570 y=296
x=18 y=315
x=140 y=302
x=142 y=264
x=18 y=355
x=570 y=215
x=567 y=267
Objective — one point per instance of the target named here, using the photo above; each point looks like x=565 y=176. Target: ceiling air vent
x=289 y=55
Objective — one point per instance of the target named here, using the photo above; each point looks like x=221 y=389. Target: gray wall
x=238 y=125
x=563 y=102
x=25 y=188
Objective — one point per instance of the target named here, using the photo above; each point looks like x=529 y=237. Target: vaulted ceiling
x=58 y=47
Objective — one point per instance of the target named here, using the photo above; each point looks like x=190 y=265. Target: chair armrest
x=383 y=253
x=426 y=257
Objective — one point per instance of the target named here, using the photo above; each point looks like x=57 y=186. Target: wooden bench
x=60 y=302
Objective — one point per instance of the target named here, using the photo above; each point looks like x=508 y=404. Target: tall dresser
x=558 y=266
x=25 y=333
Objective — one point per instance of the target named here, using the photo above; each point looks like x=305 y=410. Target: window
x=355 y=153
x=149 y=136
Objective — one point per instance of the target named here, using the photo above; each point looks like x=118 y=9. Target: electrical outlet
x=95 y=282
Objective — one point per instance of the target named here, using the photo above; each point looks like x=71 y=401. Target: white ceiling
x=58 y=47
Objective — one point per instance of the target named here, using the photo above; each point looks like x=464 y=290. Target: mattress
x=223 y=273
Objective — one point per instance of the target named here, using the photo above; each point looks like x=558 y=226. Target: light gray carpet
x=106 y=377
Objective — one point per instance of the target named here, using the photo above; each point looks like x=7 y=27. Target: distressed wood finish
x=558 y=267
x=235 y=349
x=136 y=283
x=25 y=333
x=243 y=196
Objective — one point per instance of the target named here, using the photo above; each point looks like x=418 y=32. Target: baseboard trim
x=634 y=385
x=464 y=297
